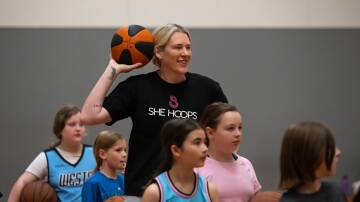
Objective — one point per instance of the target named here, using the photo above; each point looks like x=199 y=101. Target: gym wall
x=279 y=63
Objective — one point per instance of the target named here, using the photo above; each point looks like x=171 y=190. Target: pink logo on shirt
x=173 y=102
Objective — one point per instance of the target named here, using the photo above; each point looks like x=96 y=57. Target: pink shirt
x=235 y=181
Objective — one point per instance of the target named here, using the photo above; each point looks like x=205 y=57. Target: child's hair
x=174 y=132
x=211 y=115
x=64 y=114
x=305 y=147
x=104 y=140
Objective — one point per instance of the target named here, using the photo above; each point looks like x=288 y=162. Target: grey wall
x=275 y=77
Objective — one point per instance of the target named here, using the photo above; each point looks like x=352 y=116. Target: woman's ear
x=158 y=52
x=102 y=154
x=175 y=151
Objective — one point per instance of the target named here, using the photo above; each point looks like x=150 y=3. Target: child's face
x=322 y=171
x=226 y=137
x=116 y=156
x=74 y=130
x=193 y=151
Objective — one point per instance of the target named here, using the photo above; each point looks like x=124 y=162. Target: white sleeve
x=38 y=166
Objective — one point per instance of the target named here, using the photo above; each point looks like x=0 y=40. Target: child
x=67 y=164
x=110 y=154
x=308 y=153
x=233 y=175
x=183 y=143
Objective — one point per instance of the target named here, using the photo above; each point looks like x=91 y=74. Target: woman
x=150 y=100
x=67 y=164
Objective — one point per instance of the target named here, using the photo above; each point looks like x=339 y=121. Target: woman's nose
x=185 y=51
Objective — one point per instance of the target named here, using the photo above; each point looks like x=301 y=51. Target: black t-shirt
x=150 y=101
x=329 y=192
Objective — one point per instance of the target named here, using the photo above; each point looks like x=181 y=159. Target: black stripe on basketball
x=134 y=29
x=116 y=40
x=37 y=187
x=46 y=195
x=146 y=48
x=125 y=57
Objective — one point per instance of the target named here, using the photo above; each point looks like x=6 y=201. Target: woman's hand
x=116 y=68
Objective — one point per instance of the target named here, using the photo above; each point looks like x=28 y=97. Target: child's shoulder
x=242 y=159
x=120 y=177
x=152 y=192
x=95 y=178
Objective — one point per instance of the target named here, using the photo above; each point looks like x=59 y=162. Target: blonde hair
x=104 y=140
x=162 y=36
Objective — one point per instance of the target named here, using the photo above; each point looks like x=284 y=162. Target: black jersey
x=150 y=101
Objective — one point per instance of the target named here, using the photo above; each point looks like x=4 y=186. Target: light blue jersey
x=67 y=178
x=168 y=191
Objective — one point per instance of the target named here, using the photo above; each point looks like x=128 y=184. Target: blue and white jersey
x=66 y=178
x=169 y=193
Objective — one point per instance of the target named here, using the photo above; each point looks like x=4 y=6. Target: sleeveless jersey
x=169 y=193
x=66 y=178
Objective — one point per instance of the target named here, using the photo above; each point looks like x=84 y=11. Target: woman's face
x=176 y=55
x=225 y=138
x=323 y=171
x=74 y=130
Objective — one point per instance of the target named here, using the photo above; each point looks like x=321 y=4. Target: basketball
x=115 y=199
x=38 y=191
x=266 y=196
x=132 y=44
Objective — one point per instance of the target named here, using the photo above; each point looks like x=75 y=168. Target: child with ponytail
x=106 y=184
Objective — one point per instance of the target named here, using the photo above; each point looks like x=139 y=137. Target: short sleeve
x=219 y=95
x=120 y=102
x=89 y=192
x=255 y=181
x=38 y=166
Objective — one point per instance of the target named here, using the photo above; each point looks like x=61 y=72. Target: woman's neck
x=107 y=171
x=170 y=77
x=310 y=187
x=72 y=148
x=222 y=157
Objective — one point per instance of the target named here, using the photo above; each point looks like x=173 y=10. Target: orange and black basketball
x=132 y=44
x=115 y=199
x=38 y=191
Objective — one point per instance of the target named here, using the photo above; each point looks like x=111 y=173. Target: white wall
x=190 y=13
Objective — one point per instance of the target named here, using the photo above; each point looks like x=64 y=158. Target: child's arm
x=213 y=192
x=151 y=194
x=19 y=185
x=89 y=192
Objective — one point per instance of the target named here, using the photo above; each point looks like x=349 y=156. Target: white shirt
x=39 y=168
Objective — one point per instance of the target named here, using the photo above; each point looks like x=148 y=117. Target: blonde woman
x=150 y=100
